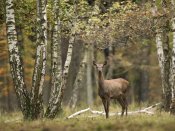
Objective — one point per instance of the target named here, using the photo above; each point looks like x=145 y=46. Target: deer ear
x=94 y=63
x=105 y=63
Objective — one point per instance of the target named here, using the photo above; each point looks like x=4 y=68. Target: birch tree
x=55 y=102
x=16 y=60
x=40 y=61
x=162 y=44
x=31 y=106
x=172 y=107
x=56 y=105
x=56 y=71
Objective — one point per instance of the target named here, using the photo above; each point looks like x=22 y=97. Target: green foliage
x=2 y=12
x=121 y=23
x=25 y=13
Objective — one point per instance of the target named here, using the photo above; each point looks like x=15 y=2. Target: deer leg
x=105 y=105
x=120 y=100
x=126 y=105
x=107 y=110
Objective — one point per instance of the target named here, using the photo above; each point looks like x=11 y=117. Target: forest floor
x=139 y=122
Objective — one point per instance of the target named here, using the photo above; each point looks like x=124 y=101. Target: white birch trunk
x=15 y=59
x=40 y=62
x=56 y=71
x=56 y=104
x=172 y=107
x=160 y=53
x=162 y=43
x=167 y=60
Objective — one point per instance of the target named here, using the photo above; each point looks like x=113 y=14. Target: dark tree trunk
x=78 y=81
x=144 y=74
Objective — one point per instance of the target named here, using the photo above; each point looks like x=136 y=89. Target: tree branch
x=144 y=111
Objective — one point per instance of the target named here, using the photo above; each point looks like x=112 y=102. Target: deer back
x=116 y=87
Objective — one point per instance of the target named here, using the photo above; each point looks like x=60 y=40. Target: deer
x=112 y=89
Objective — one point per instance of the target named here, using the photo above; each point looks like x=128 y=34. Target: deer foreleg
x=105 y=106
x=108 y=103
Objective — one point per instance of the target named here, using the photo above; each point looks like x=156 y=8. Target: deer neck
x=100 y=79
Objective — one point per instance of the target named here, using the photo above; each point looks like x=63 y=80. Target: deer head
x=99 y=66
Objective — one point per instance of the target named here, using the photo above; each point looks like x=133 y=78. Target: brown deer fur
x=112 y=89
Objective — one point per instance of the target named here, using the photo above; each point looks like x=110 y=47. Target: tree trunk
x=166 y=69
x=40 y=61
x=144 y=87
x=167 y=60
x=164 y=63
x=16 y=60
x=172 y=106
x=56 y=70
x=89 y=76
x=162 y=43
x=55 y=105
x=110 y=58
x=78 y=81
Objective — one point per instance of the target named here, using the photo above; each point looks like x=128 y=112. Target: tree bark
x=167 y=60
x=144 y=87
x=110 y=66
x=89 y=76
x=40 y=61
x=162 y=43
x=16 y=60
x=164 y=63
x=56 y=60
x=166 y=71
x=78 y=81
x=56 y=104
x=172 y=106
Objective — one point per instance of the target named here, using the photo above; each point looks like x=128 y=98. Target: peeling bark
x=16 y=65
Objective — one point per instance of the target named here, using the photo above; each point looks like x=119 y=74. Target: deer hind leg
x=126 y=104
x=105 y=106
x=121 y=102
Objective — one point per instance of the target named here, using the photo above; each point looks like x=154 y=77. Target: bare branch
x=143 y=111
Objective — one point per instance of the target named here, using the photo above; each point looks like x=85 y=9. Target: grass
x=157 y=122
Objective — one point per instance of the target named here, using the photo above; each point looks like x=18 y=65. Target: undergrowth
x=160 y=121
